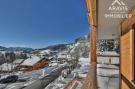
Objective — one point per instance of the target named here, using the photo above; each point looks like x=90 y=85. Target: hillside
x=25 y=49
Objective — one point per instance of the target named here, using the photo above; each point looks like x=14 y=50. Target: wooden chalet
x=34 y=63
x=112 y=23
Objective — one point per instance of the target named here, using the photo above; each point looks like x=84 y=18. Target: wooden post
x=91 y=8
x=93 y=45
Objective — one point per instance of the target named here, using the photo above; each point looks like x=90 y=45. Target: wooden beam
x=91 y=8
x=93 y=45
x=91 y=79
x=127 y=52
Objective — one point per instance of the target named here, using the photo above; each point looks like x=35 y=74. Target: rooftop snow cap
x=31 y=61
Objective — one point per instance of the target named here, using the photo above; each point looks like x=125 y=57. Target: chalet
x=107 y=23
x=34 y=63
x=64 y=56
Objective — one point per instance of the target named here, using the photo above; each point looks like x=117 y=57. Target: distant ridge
x=26 y=49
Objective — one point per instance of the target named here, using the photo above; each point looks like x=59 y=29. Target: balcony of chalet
x=104 y=74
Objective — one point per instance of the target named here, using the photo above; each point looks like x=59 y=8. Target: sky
x=39 y=23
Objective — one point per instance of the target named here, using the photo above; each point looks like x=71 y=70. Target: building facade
x=105 y=25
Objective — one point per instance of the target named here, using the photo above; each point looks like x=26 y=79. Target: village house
x=34 y=63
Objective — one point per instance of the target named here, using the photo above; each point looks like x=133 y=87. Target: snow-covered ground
x=108 y=76
x=10 y=66
x=84 y=61
x=107 y=57
x=105 y=60
x=30 y=77
x=80 y=71
x=106 y=73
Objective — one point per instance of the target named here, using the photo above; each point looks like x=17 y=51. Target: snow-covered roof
x=45 y=51
x=17 y=61
x=31 y=61
x=62 y=56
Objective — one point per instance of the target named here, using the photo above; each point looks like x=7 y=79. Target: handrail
x=101 y=55
x=91 y=79
x=129 y=83
x=70 y=84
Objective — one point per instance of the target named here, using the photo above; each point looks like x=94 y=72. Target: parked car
x=9 y=79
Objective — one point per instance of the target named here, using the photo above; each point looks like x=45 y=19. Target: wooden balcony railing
x=91 y=79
